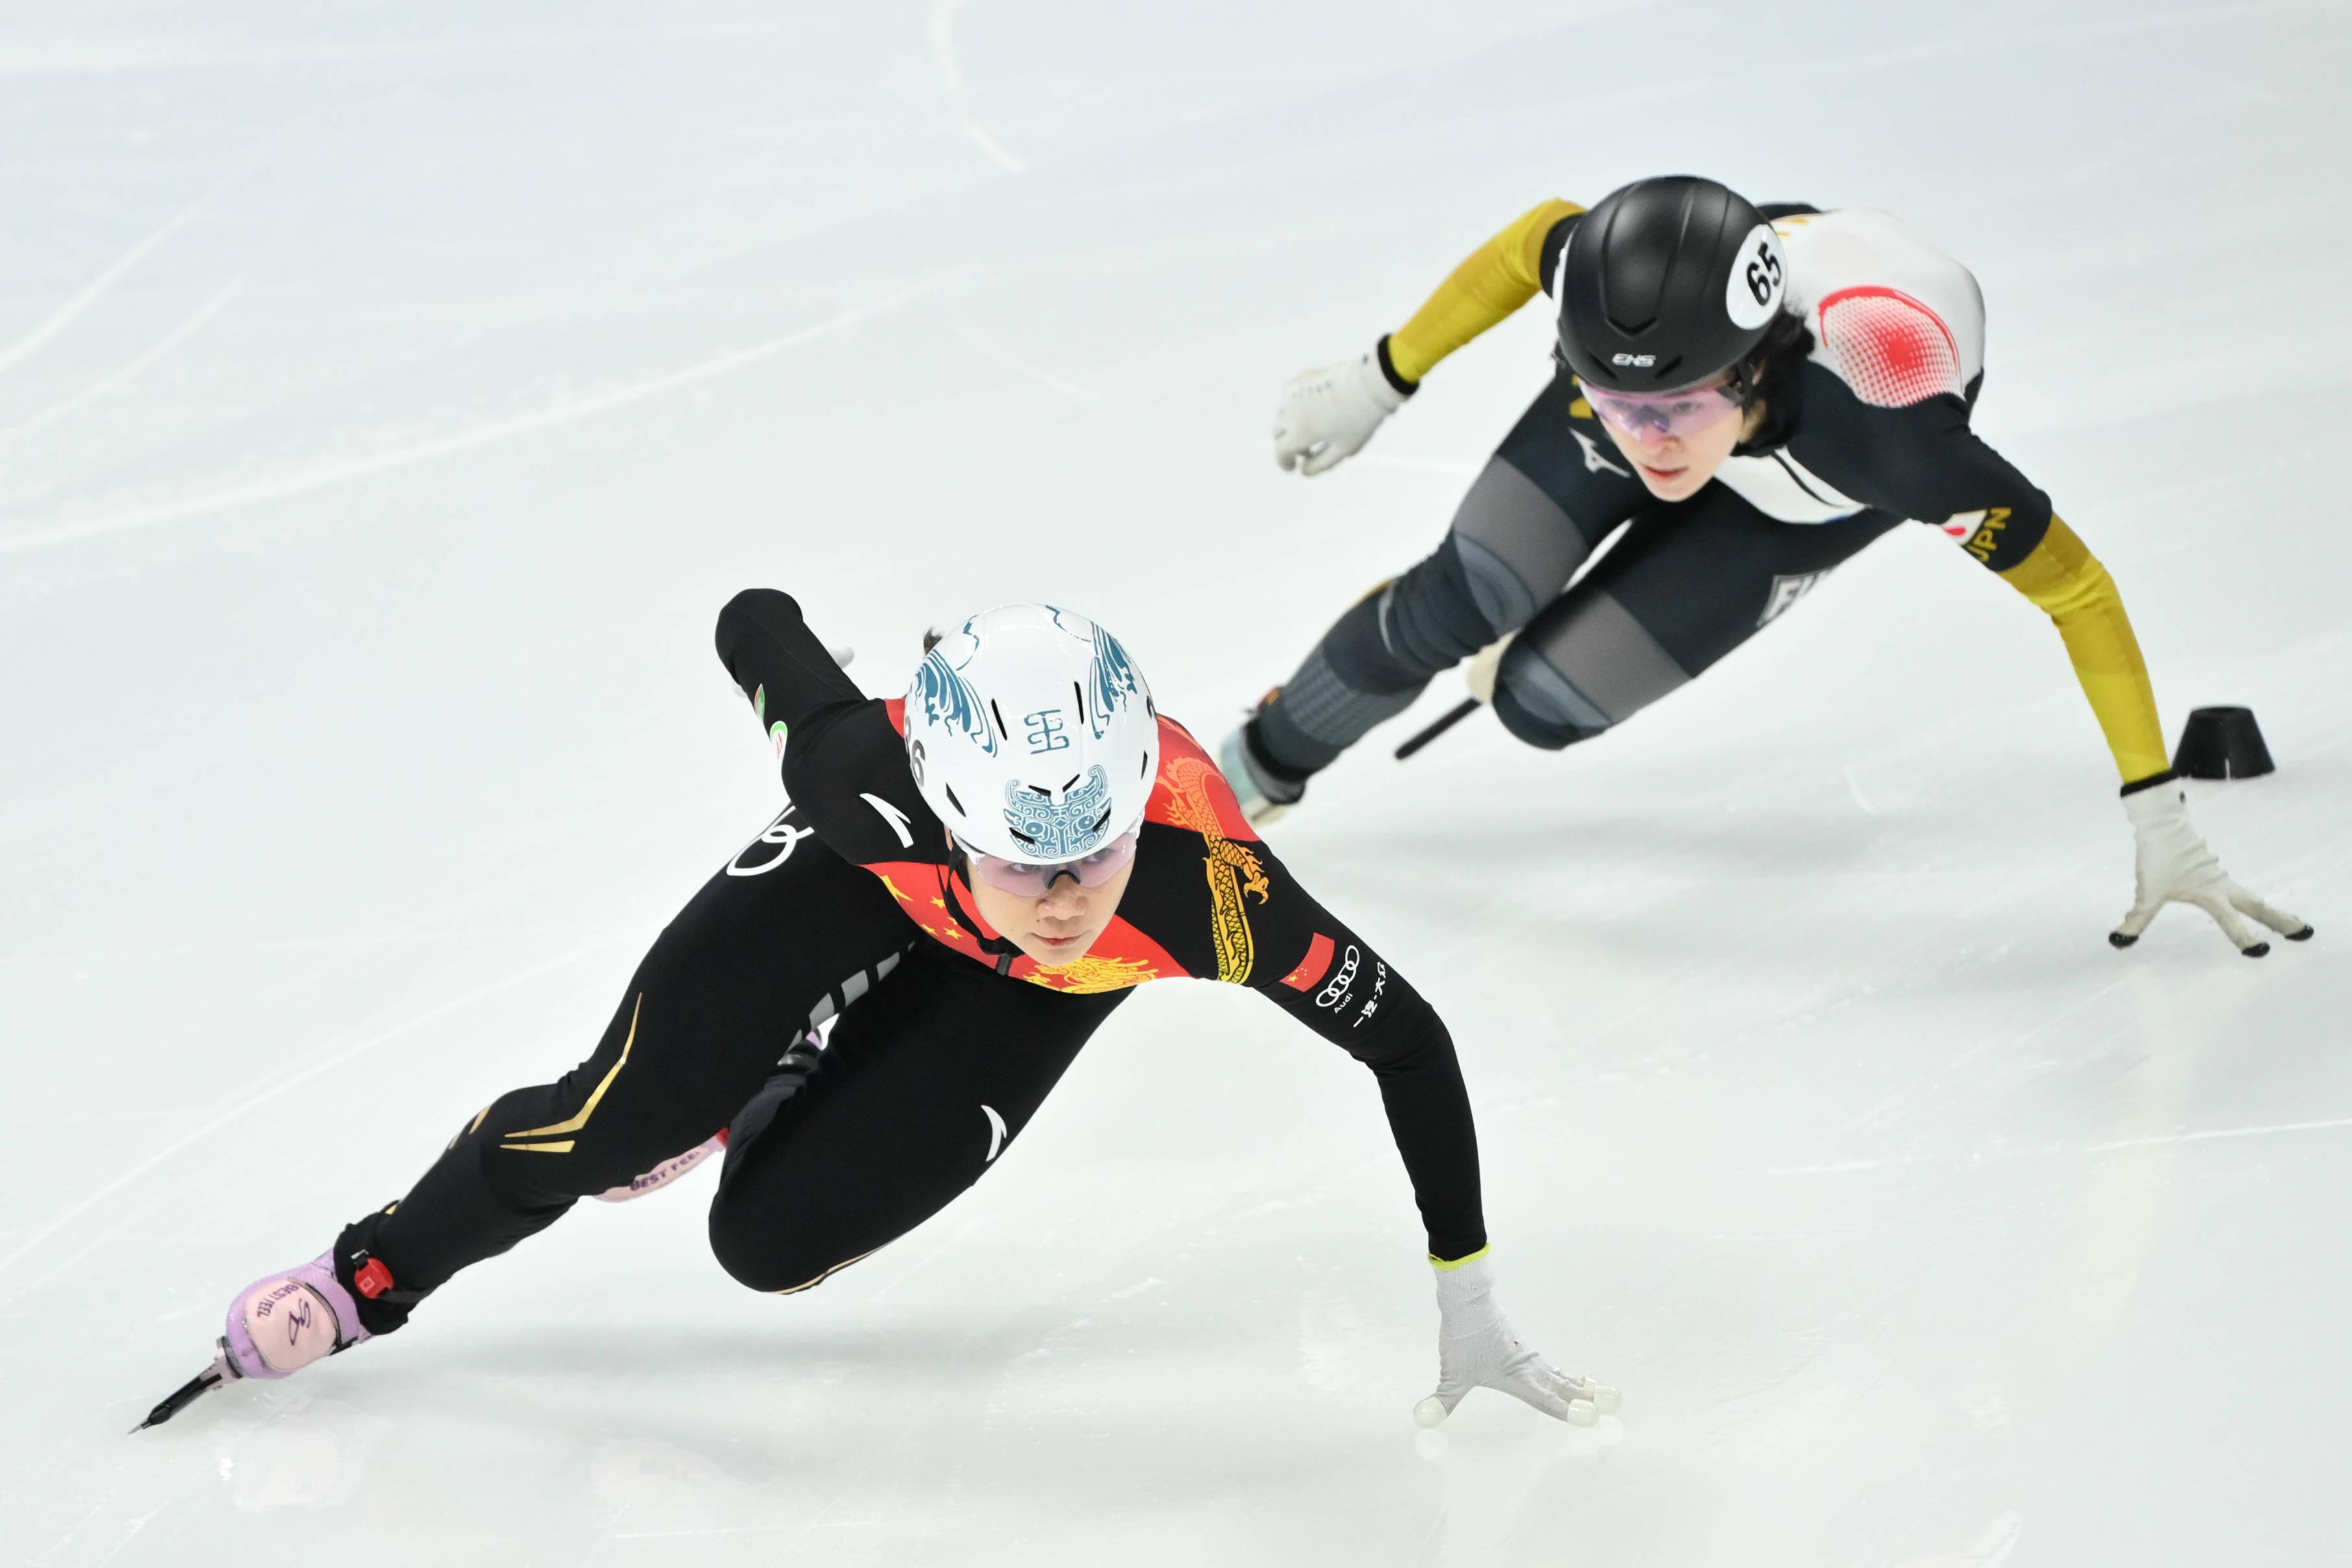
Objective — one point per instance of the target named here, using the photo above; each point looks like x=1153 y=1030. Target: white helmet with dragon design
x=1032 y=735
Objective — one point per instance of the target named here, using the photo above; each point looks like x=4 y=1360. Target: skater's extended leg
x=924 y=1084
x=1541 y=504
x=1687 y=585
x=784 y=935
x=724 y=992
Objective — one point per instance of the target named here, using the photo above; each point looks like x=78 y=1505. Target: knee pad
x=1444 y=610
x=1539 y=705
x=1536 y=730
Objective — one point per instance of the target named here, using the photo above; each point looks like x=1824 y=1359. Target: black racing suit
x=1868 y=427
x=948 y=1039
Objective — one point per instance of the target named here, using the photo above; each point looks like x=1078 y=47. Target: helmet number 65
x=1763 y=273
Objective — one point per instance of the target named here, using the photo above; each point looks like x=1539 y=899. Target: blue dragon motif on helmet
x=1114 y=681
x=949 y=698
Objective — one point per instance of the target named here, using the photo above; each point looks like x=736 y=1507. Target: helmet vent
x=954 y=802
x=1000 y=729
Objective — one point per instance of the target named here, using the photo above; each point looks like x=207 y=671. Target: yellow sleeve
x=2065 y=579
x=1498 y=278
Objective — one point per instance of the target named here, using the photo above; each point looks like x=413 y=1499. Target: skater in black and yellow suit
x=1750 y=396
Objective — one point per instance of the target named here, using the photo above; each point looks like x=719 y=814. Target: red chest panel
x=1188 y=792
x=941 y=907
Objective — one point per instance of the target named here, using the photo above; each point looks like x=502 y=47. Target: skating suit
x=1875 y=427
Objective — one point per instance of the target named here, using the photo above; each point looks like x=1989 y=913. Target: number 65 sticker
x=1757 y=282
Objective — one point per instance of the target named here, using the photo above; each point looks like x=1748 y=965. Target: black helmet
x=1665 y=283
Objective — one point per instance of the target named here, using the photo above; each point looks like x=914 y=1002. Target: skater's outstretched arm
x=1321 y=972
x=1326 y=414
x=1922 y=461
x=784 y=672
x=1491 y=283
x=844 y=761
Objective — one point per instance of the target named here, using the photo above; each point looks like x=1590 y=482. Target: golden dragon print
x=1233 y=870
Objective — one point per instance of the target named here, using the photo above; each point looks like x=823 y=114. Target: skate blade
x=187 y=1394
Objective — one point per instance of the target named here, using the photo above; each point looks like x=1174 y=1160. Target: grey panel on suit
x=1598 y=658
x=1326 y=709
x=1518 y=545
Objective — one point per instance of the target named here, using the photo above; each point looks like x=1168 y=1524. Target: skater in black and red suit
x=967 y=883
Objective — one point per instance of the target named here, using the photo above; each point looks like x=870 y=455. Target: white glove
x=1479 y=675
x=1328 y=413
x=2173 y=865
x=1477 y=1348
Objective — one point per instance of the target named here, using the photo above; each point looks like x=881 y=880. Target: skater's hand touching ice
x=2173 y=865
x=1328 y=414
x=1477 y=1349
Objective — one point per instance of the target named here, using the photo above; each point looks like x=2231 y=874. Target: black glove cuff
x=1388 y=368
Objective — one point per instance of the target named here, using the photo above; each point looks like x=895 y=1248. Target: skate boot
x=1263 y=790
x=279 y=1324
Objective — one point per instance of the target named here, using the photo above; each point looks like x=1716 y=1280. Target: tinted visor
x=1658 y=415
x=1031 y=881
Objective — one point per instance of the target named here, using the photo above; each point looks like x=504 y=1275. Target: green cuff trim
x=1444 y=1265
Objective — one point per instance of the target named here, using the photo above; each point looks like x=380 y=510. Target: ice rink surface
x=390 y=398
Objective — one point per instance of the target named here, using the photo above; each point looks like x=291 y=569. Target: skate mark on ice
x=336 y=473
x=92 y=57
x=951 y=73
x=251 y=1101
x=742 y=1529
x=2216 y=1134
x=990 y=349
x=93 y=292
x=1854 y=788
x=129 y=372
x=436 y=936
x=2045 y=1151
x=2034 y=889
x=1991 y=1548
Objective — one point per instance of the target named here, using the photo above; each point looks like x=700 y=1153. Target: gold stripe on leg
x=589 y=1109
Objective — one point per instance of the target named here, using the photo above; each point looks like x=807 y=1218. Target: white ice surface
x=390 y=396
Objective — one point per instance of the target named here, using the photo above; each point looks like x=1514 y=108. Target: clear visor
x=1661 y=416
x=1031 y=881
